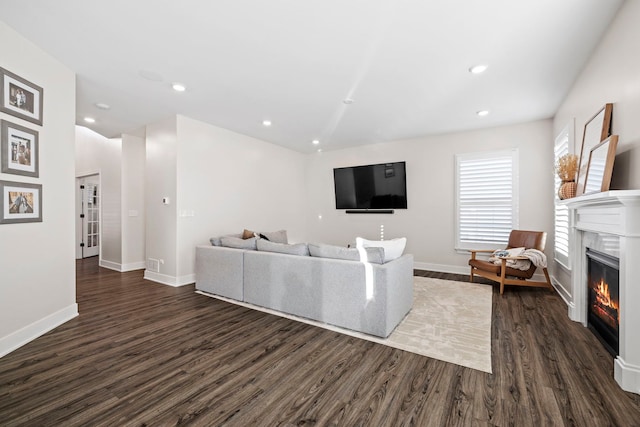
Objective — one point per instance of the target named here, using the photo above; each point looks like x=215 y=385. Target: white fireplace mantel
x=610 y=216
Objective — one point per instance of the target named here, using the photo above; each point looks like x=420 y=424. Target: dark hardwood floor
x=141 y=353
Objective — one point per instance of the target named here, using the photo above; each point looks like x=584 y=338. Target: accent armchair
x=506 y=275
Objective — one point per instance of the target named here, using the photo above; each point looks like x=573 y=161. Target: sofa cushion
x=237 y=243
x=215 y=241
x=374 y=255
x=296 y=249
x=279 y=236
x=392 y=248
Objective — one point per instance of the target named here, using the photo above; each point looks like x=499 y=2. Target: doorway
x=88 y=216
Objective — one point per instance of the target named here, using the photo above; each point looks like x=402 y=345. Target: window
x=561 y=213
x=486 y=199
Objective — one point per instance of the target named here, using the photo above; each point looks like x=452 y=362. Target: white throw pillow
x=392 y=248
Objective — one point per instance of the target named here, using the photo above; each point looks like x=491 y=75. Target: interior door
x=89 y=215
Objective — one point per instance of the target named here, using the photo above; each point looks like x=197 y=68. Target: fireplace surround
x=609 y=223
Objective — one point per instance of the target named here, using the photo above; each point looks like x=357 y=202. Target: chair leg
x=471 y=275
x=503 y=274
x=546 y=275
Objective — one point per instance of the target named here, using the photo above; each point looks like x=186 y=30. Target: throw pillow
x=374 y=255
x=296 y=249
x=392 y=248
x=247 y=234
x=279 y=236
x=234 y=242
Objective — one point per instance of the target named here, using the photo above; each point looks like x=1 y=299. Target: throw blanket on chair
x=538 y=258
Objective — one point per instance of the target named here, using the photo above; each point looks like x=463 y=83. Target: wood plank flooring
x=141 y=353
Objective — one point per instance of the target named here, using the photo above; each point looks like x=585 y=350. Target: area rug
x=449 y=321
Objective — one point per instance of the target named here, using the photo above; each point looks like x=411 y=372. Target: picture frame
x=20 y=97
x=601 y=159
x=20 y=202
x=19 y=153
x=596 y=129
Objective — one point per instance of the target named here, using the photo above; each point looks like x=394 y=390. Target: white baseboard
x=626 y=375
x=140 y=265
x=110 y=265
x=170 y=280
x=40 y=327
x=562 y=291
x=122 y=267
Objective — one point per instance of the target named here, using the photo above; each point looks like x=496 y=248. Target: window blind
x=561 y=212
x=486 y=198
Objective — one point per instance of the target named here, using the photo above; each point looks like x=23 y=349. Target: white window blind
x=561 y=213
x=486 y=199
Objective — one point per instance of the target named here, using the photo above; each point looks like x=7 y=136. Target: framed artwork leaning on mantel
x=597 y=129
x=600 y=168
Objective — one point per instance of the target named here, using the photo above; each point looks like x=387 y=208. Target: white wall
x=37 y=284
x=219 y=182
x=612 y=74
x=133 y=202
x=97 y=154
x=160 y=182
x=428 y=223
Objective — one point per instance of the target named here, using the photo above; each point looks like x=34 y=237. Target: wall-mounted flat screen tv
x=382 y=186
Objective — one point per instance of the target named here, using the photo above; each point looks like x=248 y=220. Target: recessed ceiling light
x=319 y=150
x=482 y=113
x=102 y=105
x=348 y=101
x=266 y=122
x=315 y=142
x=477 y=69
x=179 y=87
x=89 y=120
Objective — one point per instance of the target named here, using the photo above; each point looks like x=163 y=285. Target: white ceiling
x=403 y=62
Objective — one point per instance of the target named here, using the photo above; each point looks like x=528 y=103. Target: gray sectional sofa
x=362 y=296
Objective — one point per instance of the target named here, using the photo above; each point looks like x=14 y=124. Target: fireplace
x=609 y=223
x=603 y=308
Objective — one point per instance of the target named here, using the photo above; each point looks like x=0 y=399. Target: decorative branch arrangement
x=567 y=167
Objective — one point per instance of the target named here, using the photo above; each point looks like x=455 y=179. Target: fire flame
x=603 y=297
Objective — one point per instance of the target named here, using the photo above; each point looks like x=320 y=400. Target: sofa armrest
x=219 y=271
x=395 y=279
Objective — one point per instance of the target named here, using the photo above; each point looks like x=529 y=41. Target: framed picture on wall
x=20 y=97
x=20 y=202
x=19 y=150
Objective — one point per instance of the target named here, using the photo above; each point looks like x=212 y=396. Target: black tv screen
x=382 y=186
